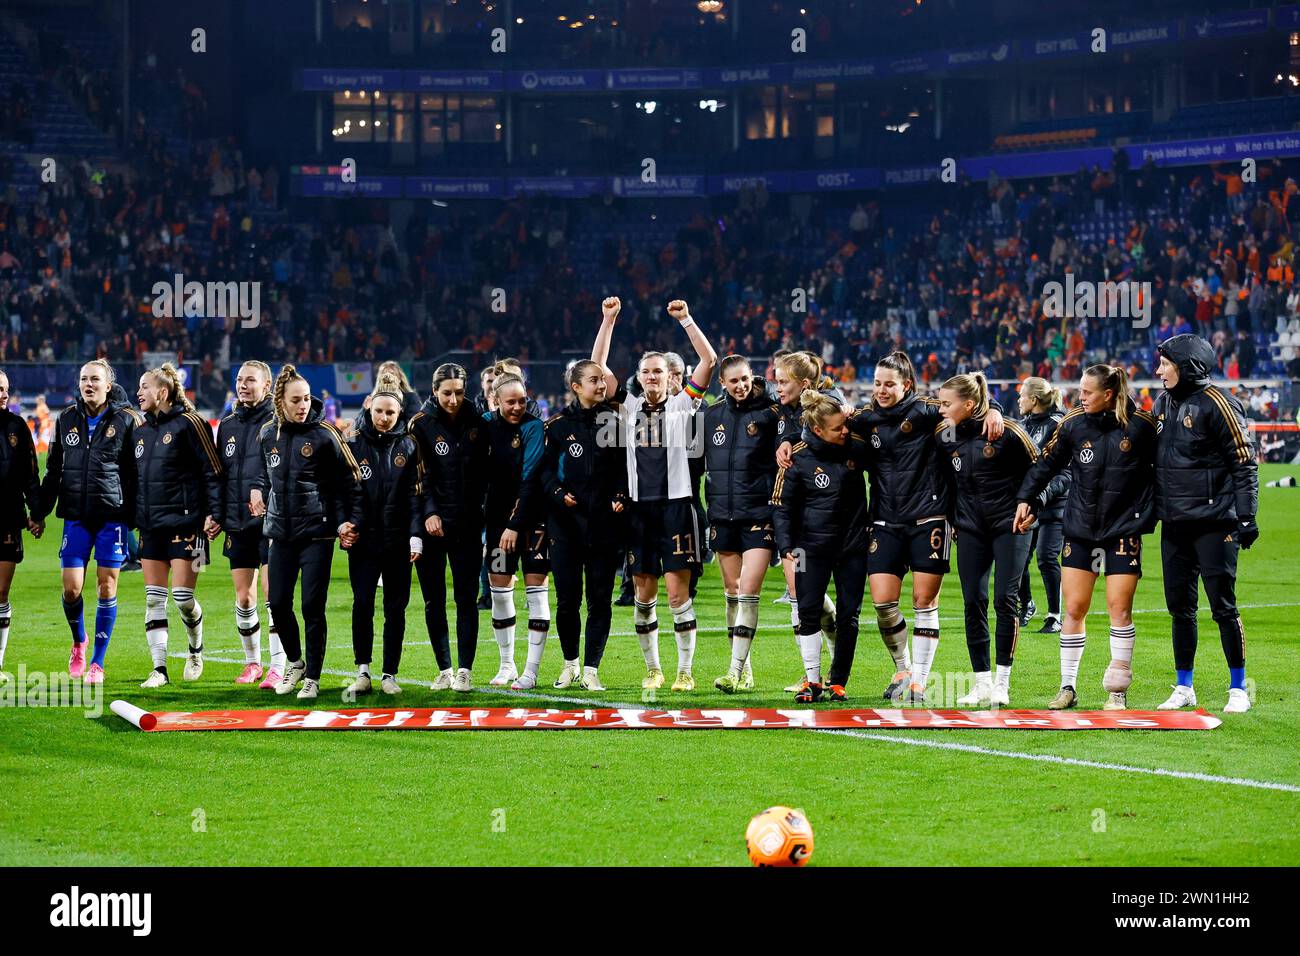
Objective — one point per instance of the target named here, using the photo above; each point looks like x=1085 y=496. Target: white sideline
x=886 y=738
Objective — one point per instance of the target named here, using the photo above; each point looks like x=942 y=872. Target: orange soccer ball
x=779 y=836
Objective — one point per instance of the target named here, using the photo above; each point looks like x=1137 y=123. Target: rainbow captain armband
x=693 y=390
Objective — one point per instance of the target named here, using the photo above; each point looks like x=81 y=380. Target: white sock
x=684 y=629
x=278 y=658
x=1121 y=643
x=363 y=669
x=1004 y=675
x=250 y=633
x=155 y=623
x=925 y=642
x=794 y=617
x=733 y=605
x=810 y=649
x=191 y=616
x=538 y=617
x=503 y=622
x=746 y=625
x=1071 y=654
x=893 y=631
x=6 y=615
x=647 y=632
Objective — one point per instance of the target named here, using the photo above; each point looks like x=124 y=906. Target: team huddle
x=613 y=481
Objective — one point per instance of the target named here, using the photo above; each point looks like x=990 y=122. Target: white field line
x=886 y=738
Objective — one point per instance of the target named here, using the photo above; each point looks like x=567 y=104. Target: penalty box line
x=888 y=738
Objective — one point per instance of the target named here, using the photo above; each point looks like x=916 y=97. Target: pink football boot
x=272 y=678
x=250 y=674
x=77 y=660
x=95 y=675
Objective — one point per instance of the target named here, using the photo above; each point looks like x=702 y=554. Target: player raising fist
x=665 y=537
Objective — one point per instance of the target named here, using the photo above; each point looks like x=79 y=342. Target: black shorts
x=923 y=547
x=246 y=549
x=530 y=551
x=1116 y=556
x=11 y=545
x=665 y=537
x=737 y=537
x=173 y=546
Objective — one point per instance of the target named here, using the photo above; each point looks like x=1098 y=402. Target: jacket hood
x=436 y=412
x=117 y=396
x=897 y=410
x=244 y=412
x=367 y=427
x=1109 y=417
x=824 y=449
x=757 y=398
x=1194 y=357
x=157 y=418
x=314 y=417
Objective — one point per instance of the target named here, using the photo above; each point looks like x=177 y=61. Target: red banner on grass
x=524 y=718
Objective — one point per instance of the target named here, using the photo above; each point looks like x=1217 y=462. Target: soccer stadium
x=645 y=366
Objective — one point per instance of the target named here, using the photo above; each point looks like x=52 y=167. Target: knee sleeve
x=191 y=610
x=539 y=607
x=684 y=616
x=644 y=618
x=155 y=607
x=926 y=619
x=746 y=615
x=889 y=618
x=503 y=607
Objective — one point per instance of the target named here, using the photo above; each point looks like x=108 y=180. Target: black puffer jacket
x=178 y=474
x=455 y=453
x=821 y=499
x=908 y=483
x=1113 y=487
x=92 y=477
x=310 y=480
x=986 y=475
x=1205 y=458
x=241 y=462
x=392 y=486
x=20 y=482
x=578 y=460
x=791 y=423
x=1040 y=426
x=740 y=457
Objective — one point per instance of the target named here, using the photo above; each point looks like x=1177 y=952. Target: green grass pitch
x=81 y=791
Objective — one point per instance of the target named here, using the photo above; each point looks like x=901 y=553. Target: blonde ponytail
x=168 y=376
x=1041 y=392
x=1113 y=378
x=287 y=374
x=971 y=387
x=817 y=408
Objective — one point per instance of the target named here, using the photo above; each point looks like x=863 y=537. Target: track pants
x=1186 y=553
x=849 y=572
x=1005 y=555
x=463 y=550
x=286 y=560
x=364 y=570
x=570 y=562
x=1048 y=538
